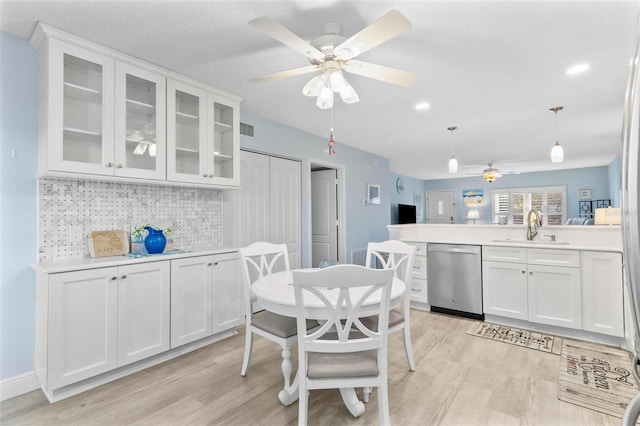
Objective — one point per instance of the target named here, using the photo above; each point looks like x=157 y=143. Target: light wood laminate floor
x=459 y=380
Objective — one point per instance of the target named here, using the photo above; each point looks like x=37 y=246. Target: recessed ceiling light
x=577 y=69
x=422 y=106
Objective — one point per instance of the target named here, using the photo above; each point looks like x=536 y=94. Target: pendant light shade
x=557 y=153
x=453 y=163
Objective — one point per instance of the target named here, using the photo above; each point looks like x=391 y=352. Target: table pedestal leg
x=351 y=401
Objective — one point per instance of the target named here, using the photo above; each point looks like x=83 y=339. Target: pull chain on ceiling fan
x=333 y=53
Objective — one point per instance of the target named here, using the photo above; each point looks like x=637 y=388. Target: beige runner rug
x=516 y=336
x=596 y=377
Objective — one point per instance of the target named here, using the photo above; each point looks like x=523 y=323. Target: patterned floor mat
x=525 y=338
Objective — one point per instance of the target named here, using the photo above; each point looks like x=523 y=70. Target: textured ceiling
x=491 y=68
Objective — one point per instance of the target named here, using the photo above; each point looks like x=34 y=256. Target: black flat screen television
x=406 y=213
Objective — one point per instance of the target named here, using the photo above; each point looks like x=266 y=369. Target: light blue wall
x=615 y=183
x=411 y=186
x=19 y=135
x=594 y=178
x=364 y=222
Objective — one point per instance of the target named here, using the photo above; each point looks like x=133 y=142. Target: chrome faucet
x=532 y=231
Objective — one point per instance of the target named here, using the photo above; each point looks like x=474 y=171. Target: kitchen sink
x=547 y=242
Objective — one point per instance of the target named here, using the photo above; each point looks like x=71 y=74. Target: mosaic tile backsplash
x=68 y=208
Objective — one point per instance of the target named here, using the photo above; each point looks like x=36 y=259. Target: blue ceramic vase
x=155 y=242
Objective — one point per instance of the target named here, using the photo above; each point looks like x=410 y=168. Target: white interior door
x=324 y=216
x=441 y=206
x=285 y=200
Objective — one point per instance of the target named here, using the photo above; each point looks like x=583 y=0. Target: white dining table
x=275 y=293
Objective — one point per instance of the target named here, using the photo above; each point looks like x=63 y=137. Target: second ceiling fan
x=333 y=53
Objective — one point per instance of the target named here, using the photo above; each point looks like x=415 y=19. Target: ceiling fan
x=333 y=53
x=490 y=174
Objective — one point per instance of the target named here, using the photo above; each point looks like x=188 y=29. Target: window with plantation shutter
x=514 y=203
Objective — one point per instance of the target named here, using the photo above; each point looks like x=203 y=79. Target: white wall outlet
x=75 y=234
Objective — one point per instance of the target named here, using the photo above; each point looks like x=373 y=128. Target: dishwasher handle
x=453 y=249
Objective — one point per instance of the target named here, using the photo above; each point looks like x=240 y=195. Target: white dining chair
x=258 y=260
x=399 y=256
x=342 y=352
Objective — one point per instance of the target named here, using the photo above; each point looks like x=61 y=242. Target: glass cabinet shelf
x=138 y=107
x=71 y=133
x=83 y=93
x=222 y=127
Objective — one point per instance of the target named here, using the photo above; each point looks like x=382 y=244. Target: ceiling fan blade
x=382 y=73
x=389 y=26
x=286 y=37
x=283 y=74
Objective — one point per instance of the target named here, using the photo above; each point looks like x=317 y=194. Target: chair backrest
x=338 y=294
x=393 y=254
x=258 y=260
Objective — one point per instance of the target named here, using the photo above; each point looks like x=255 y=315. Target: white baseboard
x=18 y=385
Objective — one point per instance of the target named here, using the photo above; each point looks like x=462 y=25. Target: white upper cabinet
x=186 y=133
x=103 y=113
x=140 y=143
x=77 y=110
x=203 y=133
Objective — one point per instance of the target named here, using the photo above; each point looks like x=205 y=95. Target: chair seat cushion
x=396 y=316
x=354 y=364
x=278 y=325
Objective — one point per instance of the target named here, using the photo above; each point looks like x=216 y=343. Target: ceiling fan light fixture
x=349 y=95
x=314 y=86
x=337 y=81
x=557 y=153
x=490 y=177
x=325 y=98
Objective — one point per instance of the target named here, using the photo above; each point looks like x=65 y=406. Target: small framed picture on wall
x=373 y=194
x=585 y=194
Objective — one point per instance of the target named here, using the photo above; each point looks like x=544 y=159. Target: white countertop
x=592 y=237
x=76 y=264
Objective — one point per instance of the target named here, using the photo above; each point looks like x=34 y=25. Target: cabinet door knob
x=522 y=271
x=114 y=278
x=119 y=166
x=210 y=263
x=215 y=263
x=109 y=164
x=123 y=276
x=530 y=273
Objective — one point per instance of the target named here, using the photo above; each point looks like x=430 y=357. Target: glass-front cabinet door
x=140 y=143
x=225 y=130
x=79 y=110
x=186 y=133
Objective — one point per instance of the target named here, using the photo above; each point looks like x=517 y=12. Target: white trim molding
x=18 y=385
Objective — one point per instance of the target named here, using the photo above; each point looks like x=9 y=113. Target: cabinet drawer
x=570 y=258
x=421 y=248
x=504 y=254
x=419 y=268
x=419 y=291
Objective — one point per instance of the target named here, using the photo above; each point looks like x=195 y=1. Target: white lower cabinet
x=504 y=290
x=555 y=295
x=143 y=311
x=92 y=322
x=602 y=293
x=206 y=297
x=82 y=326
x=565 y=288
x=100 y=319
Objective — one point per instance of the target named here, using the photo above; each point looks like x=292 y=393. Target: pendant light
x=453 y=163
x=557 y=153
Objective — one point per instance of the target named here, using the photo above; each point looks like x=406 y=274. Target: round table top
x=275 y=293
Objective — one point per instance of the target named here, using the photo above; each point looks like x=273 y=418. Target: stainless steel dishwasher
x=454 y=279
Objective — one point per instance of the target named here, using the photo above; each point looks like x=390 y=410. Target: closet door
x=252 y=214
x=285 y=206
